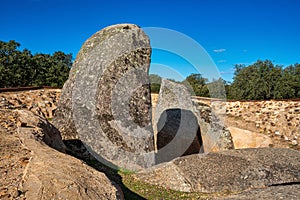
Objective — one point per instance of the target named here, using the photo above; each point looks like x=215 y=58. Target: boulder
x=276 y=192
x=175 y=125
x=249 y=139
x=44 y=131
x=226 y=172
x=216 y=136
x=178 y=128
x=30 y=169
x=106 y=101
x=183 y=127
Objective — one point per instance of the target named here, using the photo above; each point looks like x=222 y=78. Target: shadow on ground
x=77 y=149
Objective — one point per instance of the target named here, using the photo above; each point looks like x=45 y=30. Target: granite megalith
x=106 y=101
x=179 y=128
x=229 y=173
x=176 y=127
x=183 y=127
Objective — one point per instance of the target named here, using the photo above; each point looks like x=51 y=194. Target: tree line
x=21 y=68
x=264 y=80
x=196 y=84
x=260 y=81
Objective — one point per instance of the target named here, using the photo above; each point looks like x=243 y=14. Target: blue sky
x=231 y=31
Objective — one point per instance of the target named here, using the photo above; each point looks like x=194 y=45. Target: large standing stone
x=106 y=101
x=175 y=124
x=184 y=127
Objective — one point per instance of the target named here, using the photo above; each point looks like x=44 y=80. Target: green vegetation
x=260 y=81
x=155 y=82
x=21 y=68
x=148 y=191
x=135 y=189
x=197 y=85
x=263 y=80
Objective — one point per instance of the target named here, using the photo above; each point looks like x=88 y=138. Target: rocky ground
x=42 y=102
x=246 y=133
x=229 y=172
x=34 y=164
x=14 y=157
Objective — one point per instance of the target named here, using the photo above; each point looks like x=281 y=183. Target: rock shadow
x=178 y=134
x=77 y=149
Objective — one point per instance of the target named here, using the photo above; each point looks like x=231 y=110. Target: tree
x=197 y=85
x=252 y=82
x=8 y=62
x=59 y=69
x=155 y=82
x=41 y=66
x=217 y=88
x=263 y=80
x=288 y=86
x=21 y=68
x=297 y=79
x=154 y=78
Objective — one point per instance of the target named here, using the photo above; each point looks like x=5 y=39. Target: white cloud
x=219 y=50
x=229 y=71
x=222 y=73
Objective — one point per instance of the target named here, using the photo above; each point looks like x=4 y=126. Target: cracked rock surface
x=232 y=171
x=30 y=169
x=106 y=101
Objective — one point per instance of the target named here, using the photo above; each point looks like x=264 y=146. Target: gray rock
x=183 y=127
x=175 y=124
x=178 y=135
x=291 y=192
x=230 y=171
x=33 y=170
x=106 y=100
x=216 y=136
x=46 y=131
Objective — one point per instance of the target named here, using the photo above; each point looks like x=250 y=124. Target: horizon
x=231 y=32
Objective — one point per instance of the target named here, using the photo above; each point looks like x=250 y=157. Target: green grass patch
x=148 y=191
x=123 y=171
